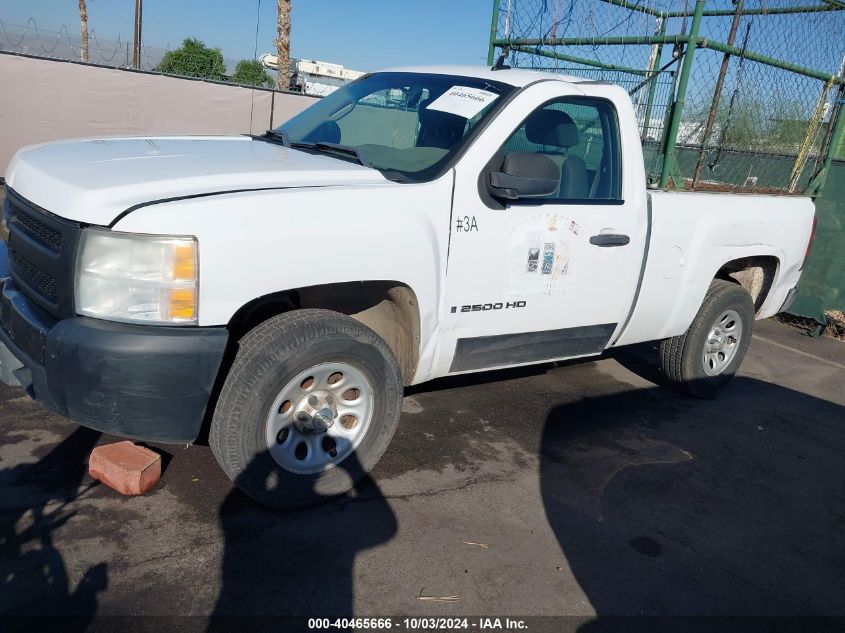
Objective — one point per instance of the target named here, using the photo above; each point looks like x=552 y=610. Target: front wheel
x=309 y=406
x=710 y=352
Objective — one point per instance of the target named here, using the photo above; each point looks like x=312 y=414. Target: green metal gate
x=731 y=95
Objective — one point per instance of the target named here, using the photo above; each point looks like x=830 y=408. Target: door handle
x=609 y=239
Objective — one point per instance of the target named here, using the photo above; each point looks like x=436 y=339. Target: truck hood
x=94 y=180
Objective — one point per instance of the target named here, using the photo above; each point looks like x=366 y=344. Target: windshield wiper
x=279 y=135
x=336 y=147
x=284 y=139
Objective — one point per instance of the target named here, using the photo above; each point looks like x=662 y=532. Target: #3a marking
x=484 y=307
x=465 y=224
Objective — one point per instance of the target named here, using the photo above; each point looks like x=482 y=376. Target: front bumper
x=146 y=382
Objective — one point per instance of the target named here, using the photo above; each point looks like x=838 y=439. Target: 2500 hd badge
x=484 y=307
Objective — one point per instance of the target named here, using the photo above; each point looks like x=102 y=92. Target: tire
x=263 y=393
x=688 y=362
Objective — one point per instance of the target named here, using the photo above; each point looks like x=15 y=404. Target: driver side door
x=549 y=277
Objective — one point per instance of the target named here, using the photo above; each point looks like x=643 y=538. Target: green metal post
x=837 y=141
x=584 y=61
x=653 y=78
x=717 y=94
x=815 y=8
x=771 y=61
x=494 y=31
x=633 y=6
x=836 y=148
x=671 y=137
x=622 y=40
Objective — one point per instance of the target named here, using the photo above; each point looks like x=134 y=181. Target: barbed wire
x=30 y=38
x=109 y=59
x=31 y=22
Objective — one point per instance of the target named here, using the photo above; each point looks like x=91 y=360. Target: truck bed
x=691 y=227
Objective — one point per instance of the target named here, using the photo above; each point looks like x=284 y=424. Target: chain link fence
x=730 y=95
x=651 y=97
x=753 y=105
x=834 y=326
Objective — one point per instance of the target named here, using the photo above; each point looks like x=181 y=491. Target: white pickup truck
x=280 y=290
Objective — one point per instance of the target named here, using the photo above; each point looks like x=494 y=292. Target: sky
x=362 y=35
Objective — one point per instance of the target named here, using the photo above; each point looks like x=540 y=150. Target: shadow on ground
x=33 y=575
x=294 y=563
x=662 y=505
x=708 y=509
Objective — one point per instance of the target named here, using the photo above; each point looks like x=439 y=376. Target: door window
x=580 y=136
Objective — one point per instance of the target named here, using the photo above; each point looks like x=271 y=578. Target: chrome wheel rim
x=319 y=418
x=722 y=342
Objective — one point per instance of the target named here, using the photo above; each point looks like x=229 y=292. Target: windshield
x=406 y=123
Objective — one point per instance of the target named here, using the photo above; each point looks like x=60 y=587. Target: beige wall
x=45 y=100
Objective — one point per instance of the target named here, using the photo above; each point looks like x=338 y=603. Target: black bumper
x=145 y=382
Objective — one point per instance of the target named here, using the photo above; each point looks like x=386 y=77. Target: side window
x=581 y=137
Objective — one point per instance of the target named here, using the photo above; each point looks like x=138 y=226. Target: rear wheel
x=710 y=352
x=308 y=408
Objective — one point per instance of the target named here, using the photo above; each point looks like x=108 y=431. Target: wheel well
x=389 y=308
x=755 y=274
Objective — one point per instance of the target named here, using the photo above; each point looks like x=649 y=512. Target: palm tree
x=282 y=43
x=83 y=25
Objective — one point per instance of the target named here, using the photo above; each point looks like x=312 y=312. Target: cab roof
x=518 y=77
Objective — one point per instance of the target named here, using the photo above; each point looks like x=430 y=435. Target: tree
x=83 y=27
x=742 y=125
x=283 y=43
x=250 y=72
x=790 y=123
x=194 y=59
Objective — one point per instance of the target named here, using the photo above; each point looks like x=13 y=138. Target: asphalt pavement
x=584 y=489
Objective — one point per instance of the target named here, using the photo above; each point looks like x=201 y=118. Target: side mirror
x=525 y=175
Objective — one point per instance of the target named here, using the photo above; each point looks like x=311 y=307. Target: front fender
x=257 y=243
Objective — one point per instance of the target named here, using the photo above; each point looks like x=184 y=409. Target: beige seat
x=557 y=129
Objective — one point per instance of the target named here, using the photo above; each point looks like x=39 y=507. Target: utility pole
x=508 y=20
x=136 y=46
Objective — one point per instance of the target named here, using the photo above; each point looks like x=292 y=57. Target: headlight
x=137 y=278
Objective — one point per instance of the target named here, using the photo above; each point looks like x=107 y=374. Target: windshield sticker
x=463 y=101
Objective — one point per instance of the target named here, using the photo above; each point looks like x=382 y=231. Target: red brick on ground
x=129 y=469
